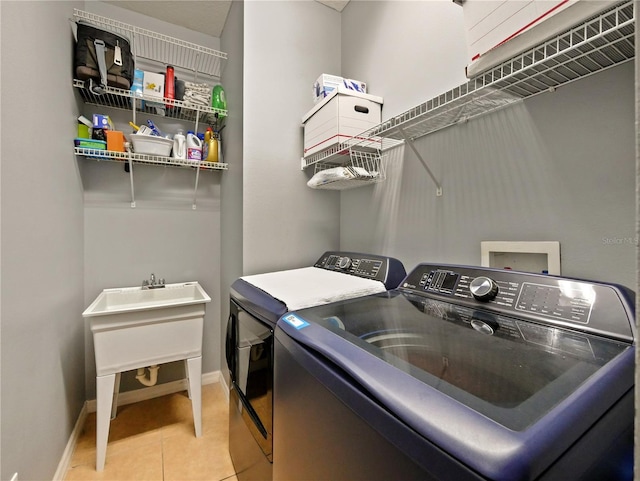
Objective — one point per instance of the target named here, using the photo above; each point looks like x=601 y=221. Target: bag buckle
x=117 y=54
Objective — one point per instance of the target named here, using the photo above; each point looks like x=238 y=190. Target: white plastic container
x=194 y=147
x=179 y=146
x=151 y=145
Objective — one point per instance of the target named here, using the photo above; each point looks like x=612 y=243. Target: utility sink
x=128 y=299
x=136 y=327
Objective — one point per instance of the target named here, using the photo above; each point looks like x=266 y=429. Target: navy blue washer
x=532 y=380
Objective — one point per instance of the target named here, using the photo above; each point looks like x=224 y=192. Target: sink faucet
x=151 y=283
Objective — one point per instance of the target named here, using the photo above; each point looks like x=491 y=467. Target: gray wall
x=41 y=249
x=67 y=227
x=286 y=46
x=231 y=183
x=557 y=167
x=162 y=234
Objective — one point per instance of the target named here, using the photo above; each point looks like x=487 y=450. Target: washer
x=461 y=373
x=257 y=302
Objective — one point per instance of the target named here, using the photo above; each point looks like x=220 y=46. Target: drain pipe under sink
x=153 y=375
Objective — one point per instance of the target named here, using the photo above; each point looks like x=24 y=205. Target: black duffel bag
x=103 y=58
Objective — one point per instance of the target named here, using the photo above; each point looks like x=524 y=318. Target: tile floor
x=154 y=440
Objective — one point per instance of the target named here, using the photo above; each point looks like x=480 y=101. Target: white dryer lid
x=312 y=286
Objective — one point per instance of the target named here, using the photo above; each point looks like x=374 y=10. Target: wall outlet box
x=541 y=257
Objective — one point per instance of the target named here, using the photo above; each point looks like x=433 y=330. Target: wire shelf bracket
x=409 y=142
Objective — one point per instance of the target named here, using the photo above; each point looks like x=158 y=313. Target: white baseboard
x=63 y=465
x=124 y=398
x=225 y=386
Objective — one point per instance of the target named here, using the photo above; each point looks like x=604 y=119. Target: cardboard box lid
x=341 y=90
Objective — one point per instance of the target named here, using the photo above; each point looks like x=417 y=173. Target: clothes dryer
x=257 y=302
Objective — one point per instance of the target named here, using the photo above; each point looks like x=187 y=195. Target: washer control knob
x=344 y=263
x=483 y=288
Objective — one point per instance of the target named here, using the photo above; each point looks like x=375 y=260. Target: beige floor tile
x=141 y=463
x=188 y=457
x=155 y=439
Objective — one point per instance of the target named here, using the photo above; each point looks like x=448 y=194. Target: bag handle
x=102 y=66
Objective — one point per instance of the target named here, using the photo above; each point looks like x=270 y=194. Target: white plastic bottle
x=179 y=146
x=194 y=147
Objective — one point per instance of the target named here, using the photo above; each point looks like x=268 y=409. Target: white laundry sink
x=134 y=327
x=127 y=299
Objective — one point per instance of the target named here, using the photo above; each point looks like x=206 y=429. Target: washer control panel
x=388 y=270
x=589 y=306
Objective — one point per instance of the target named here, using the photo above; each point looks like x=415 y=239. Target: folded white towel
x=312 y=286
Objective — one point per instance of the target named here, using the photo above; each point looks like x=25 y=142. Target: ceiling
x=211 y=15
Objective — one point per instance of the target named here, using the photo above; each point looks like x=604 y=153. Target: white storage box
x=151 y=145
x=499 y=30
x=326 y=84
x=338 y=118
x=489 y=23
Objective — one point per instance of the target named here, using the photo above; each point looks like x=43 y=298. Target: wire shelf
x=341 y=153
x=161 y=48
x=594 y=45
x=361 y=168
x=176 y=109
x=112 y=156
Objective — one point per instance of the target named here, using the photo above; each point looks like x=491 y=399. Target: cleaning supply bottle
x=194 y=146
x=169 y=86
x=210 y=146
x=179 y=147
x=218 y=99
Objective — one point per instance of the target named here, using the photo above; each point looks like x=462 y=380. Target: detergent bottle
x=194 y=146
x=179 y=146
x=218 y=98
x=210 y=146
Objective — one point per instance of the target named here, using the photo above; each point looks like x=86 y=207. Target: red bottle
x=169 y=86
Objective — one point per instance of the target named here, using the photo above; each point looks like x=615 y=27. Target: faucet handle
x=145 y=283
x=161 y=281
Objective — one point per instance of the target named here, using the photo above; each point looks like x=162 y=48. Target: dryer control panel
x=604 y=309
x=387 y=270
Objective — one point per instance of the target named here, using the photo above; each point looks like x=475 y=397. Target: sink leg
x=104 y=398
x=186 y=370
x=194 y=373
x=116 y=391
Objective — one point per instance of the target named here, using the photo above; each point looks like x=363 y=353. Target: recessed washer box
x=341 y=116
x=535 y=256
